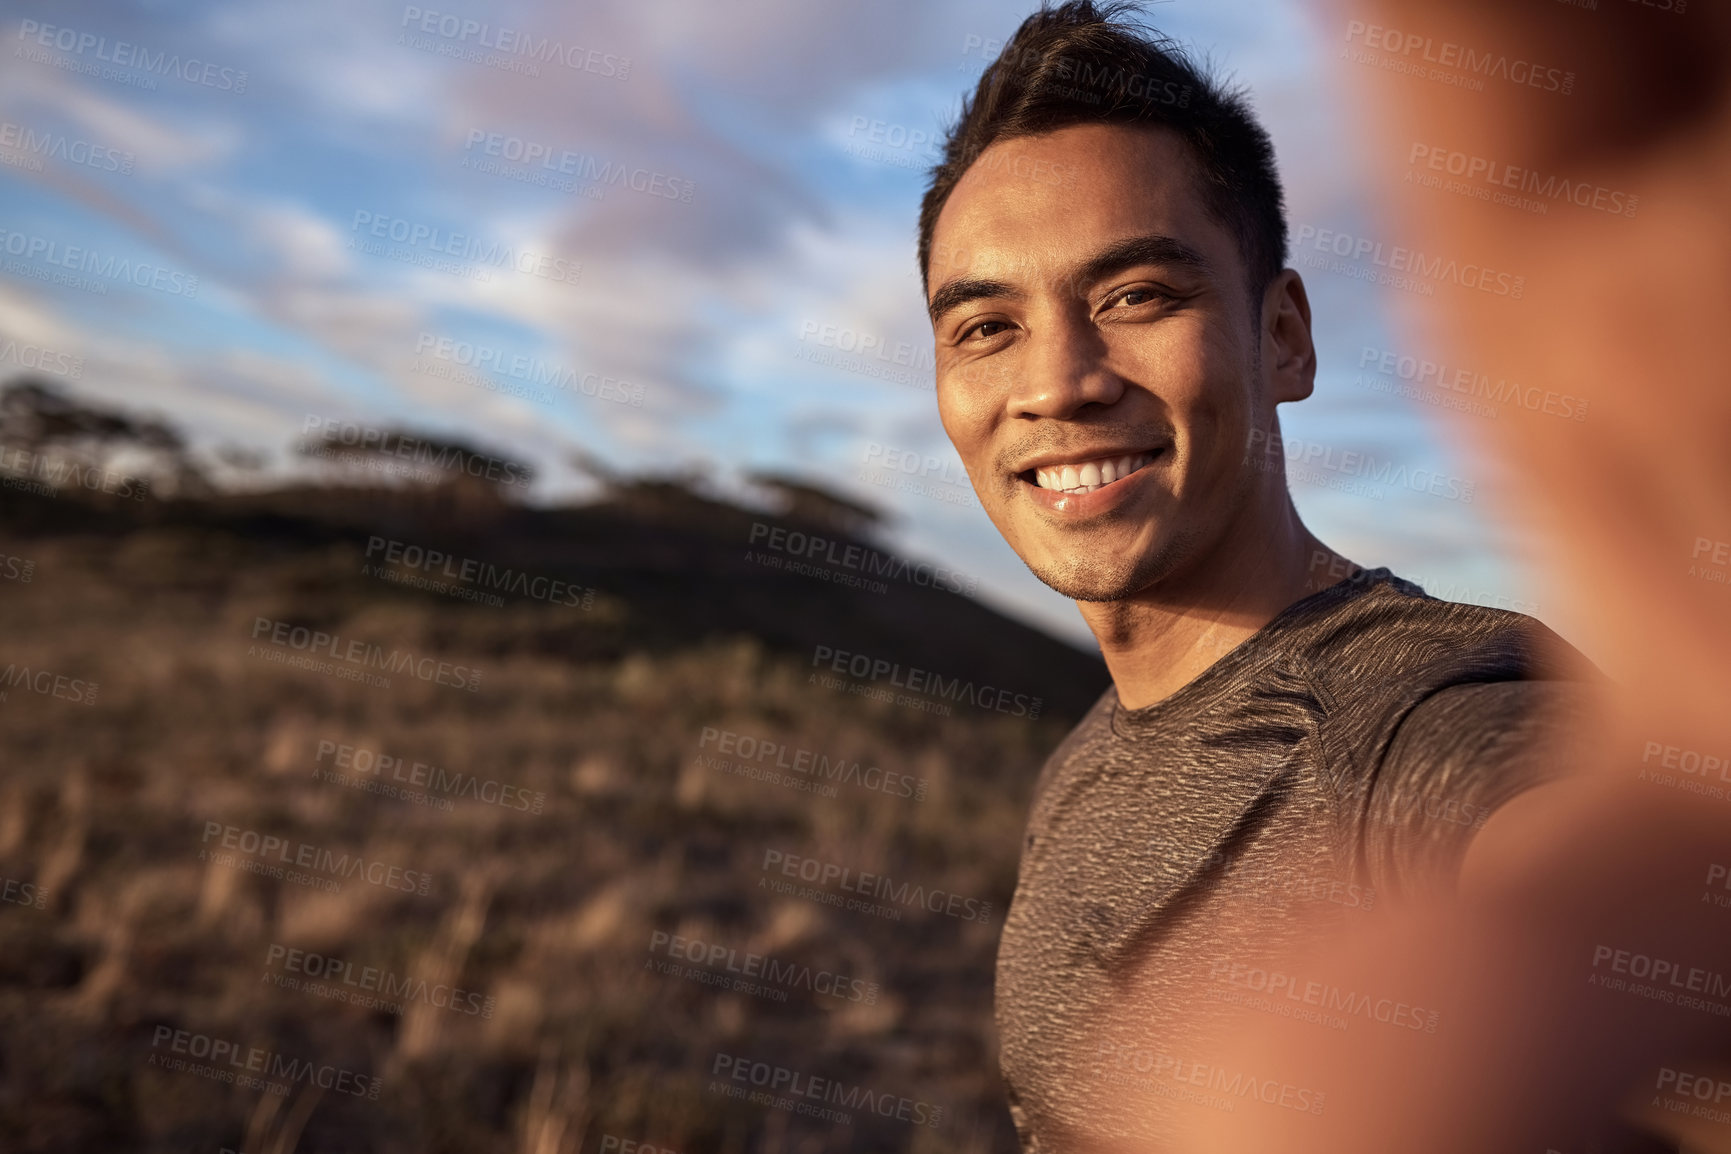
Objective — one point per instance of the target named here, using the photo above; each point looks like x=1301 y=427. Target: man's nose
x=1064 y=371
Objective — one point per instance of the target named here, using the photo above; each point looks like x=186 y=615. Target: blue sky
x=712 y=315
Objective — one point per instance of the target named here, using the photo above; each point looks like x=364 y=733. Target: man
x=1289 y=739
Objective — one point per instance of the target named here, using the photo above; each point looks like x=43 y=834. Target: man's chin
x=1092 y=581
x=1108 y=574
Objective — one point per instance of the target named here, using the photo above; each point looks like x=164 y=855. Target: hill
x=567 y=834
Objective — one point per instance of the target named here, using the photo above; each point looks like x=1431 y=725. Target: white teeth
x=1087 y=476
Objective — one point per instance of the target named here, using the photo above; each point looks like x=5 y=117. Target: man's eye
x=1137 y=296
x=985 y=329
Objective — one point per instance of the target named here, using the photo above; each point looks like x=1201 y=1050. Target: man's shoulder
x=1461 y=708
x=1377 y=636
x=1350 y=664
x=1420 y=684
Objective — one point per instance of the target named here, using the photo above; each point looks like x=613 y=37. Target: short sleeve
x=1455 y=758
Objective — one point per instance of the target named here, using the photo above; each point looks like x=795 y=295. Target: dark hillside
x=574 y=785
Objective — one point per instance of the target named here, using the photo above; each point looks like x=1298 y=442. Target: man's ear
x=1288 y=354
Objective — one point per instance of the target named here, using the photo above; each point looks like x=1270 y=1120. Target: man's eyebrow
x=960 y=291
x=1154 y=248
x=1131 y=252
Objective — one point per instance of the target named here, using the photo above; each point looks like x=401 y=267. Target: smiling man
x=1289 y=738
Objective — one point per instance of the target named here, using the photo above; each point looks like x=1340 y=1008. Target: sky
x=671 y=235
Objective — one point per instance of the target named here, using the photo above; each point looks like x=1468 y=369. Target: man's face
x=1097 y=357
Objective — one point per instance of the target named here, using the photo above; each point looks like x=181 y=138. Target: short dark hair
x=1082 y=63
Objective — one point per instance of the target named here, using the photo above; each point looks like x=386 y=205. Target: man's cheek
x=965 y=410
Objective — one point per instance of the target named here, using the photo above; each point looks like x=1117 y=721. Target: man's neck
x=1160 y=640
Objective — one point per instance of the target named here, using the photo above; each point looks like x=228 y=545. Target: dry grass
x=548 y=915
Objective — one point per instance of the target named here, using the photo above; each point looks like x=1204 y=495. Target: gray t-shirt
x=1344 y=754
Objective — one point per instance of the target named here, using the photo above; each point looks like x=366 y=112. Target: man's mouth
x=1084 y=476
